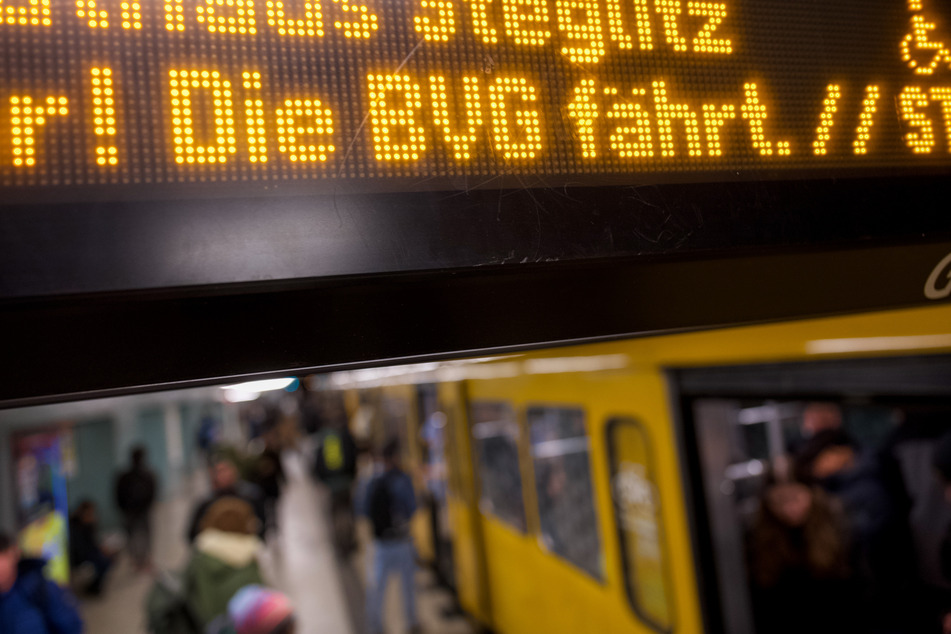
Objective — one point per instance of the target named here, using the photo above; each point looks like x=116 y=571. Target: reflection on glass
x=569 y=523
x=637 y=507
x=495 y=434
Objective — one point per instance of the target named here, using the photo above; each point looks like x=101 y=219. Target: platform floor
x=327 y=592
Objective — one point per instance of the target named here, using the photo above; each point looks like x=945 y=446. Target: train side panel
x=512 y=432
x=468 y=548
x=595 y=590
x=513 y=586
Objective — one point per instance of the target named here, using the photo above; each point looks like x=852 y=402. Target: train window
x=834 y=505
x=637 y=512
x=495 y=433
x=569 y=522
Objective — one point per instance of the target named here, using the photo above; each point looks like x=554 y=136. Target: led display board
x=146 y=97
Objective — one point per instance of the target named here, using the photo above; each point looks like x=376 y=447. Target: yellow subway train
x=613 y=487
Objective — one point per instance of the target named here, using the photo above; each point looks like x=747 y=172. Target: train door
x=609 y=535
x=824 y=507
x=497 y=444
x=432 y=433
x=468 y=547
x=580 y=502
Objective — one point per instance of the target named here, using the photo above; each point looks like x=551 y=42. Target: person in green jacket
x=224 y=558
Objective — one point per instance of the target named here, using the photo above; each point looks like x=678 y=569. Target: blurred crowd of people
x=220 y=590
x=223 y=587
x=847 y=538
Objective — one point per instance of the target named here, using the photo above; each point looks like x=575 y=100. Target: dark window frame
x=613 y=422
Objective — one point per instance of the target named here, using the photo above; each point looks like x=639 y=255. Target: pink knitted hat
x=258 y=610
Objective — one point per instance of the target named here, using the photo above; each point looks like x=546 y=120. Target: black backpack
x=386 y=524
x=167 y=609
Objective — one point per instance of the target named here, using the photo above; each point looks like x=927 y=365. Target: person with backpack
x=335 y=464
x=223 y=560
x=29 y=602
x=135 y=495
x=390 y=503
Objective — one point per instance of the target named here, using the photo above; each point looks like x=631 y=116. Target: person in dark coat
x=879 y=539
x=832 y=460
x=798 y=562
x=270 y=477
x=84 y=546
x=390 y=504
x=335 y=464
x=226 y=482
x=135 y=495
x=28 y=601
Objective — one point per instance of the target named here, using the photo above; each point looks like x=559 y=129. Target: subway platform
x=299 y=559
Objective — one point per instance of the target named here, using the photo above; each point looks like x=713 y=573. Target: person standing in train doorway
x=390 y=503
x=135 y=495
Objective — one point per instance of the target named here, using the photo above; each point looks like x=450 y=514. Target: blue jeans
x=391 y=556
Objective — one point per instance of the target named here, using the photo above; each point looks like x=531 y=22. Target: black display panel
x=118 y=100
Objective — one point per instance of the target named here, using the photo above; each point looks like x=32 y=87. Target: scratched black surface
x=106 y=289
